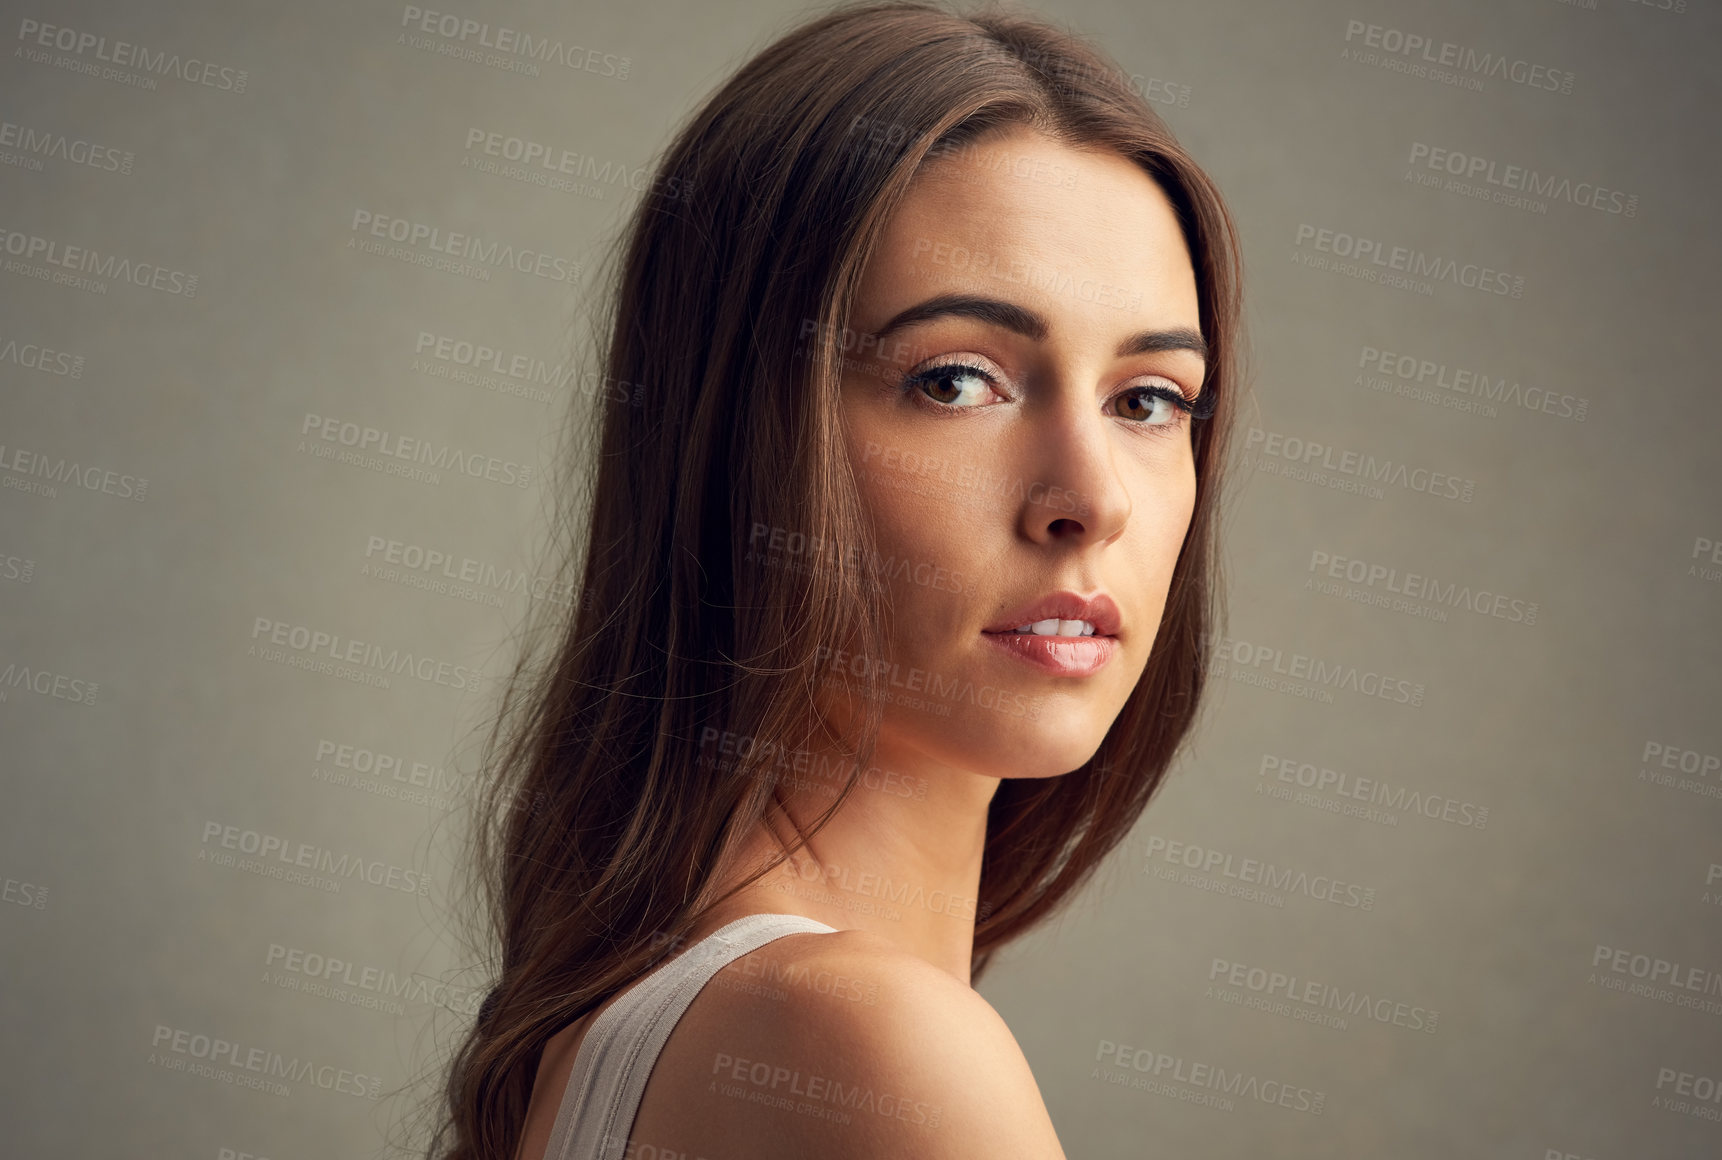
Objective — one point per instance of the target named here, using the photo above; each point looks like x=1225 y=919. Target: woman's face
x=1052 y=458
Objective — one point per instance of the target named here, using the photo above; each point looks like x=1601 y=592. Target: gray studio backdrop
x=1442 y=873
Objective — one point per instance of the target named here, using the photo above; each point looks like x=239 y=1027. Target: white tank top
x=621 y=1045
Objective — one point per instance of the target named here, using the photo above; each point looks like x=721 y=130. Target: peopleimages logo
x=1317 y=999
x=1360 y=468
x=1444 y=54
x=805 y=552
x=1674 y=983
x=910 y=895
x=314 y=973
x=448 y=573
x=35 y=144
x=824 y=1097
x=476 y=254
x=551 y=166
x=962 y=482
x=319 y=859
x=1416 y=586
x=62 y=257
x=1707 y=550
x=46 y=683
x=521 y=49
x=363 y=762
x=1519 y=179
x=26 y=894
x=824 y=772
x=1658 y=759
x=1703 y=1092
x=1362 y=793
x=35 y=35
x=301 y=646
x=1461 y=387
x=35 y=357
x=905 y=683
x=21 y=569
x=18 y=465
x=1204 y=1083
x=389 y=451
x=1242 y=660
x=1248 y=873
x=237 y=1063
x=1378 y=260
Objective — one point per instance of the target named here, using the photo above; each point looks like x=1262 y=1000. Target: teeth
x=1056 y=627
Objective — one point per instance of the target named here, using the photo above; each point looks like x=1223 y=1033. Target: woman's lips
x=1061 y=656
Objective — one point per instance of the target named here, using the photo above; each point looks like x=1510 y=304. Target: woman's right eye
x=956 y=385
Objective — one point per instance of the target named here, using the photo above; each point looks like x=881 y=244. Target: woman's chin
x=1050 y=745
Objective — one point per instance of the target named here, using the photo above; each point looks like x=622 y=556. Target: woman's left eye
x=1154 y=406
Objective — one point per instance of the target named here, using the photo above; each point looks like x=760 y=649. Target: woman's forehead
x=1078 y=234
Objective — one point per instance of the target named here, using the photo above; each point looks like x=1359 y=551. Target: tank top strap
x=621 y=1045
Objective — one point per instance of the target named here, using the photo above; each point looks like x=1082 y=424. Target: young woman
x=898 y=564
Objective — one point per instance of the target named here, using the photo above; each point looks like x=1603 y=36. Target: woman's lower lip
x=1062 y=656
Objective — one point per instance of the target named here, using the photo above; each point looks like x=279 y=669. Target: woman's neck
x=901 y=858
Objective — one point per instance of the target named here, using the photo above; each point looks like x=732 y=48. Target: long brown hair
x=601 y=822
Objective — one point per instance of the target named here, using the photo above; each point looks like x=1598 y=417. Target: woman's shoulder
x=840 y=1044
x=833 y=980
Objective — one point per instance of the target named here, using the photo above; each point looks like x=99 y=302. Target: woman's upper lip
x=1100 y=610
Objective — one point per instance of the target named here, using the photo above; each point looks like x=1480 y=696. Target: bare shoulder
x=841 y=1045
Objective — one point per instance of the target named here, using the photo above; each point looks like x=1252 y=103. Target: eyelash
x=1202 y=408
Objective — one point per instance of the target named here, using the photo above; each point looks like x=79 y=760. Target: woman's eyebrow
x=1026 y=322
